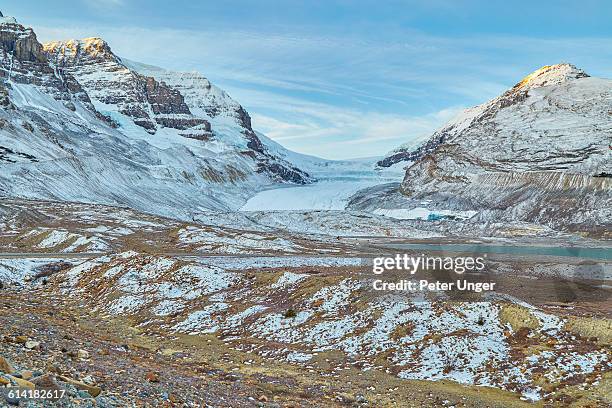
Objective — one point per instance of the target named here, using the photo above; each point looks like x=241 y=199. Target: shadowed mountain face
x=78 y=124
x=539 y=153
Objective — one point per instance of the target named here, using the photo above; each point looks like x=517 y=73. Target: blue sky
x=340 y=78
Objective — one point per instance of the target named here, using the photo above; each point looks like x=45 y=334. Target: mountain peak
x=551 y=75
x=94 y=42
x=7 y=20
x=94 y=47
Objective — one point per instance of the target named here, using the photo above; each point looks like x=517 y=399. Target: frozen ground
x=286 y=309
x=287 y=288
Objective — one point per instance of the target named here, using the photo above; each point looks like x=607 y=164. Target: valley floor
x=121 y=308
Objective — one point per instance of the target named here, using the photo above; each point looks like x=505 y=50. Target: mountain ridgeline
x=77 y=123
x=540 y=152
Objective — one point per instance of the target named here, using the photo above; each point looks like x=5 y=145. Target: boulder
x=5 y=366
x=91 y=389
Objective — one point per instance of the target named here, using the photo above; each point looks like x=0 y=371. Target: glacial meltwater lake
x=595 y=253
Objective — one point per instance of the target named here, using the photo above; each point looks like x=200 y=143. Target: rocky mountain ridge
x=208 y=101
x=549 y=76
x=153 y=99
x=537 y=153
x=74 y=114
x=149 y=103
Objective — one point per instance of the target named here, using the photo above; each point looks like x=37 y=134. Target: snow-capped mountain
x=77 y=124
x=231 y=123
x=157 y=100
x=549 y=105
x=539 y=152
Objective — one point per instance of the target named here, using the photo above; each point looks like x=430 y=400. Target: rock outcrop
x=23 y=60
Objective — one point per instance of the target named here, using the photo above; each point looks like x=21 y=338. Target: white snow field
x=323 y=195
x=338 y=180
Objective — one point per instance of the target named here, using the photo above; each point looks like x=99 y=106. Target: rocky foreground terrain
x=120 y=308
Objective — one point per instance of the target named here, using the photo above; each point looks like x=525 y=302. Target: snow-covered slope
x=167 y=104
x=76 y=124
x=556 y=118
x=231 y=123
x=541 y=152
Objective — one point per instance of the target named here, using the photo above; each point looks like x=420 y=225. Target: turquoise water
x=574 y=252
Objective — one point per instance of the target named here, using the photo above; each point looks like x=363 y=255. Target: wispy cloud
x=104 y=3
x=342 y=96
x=337 y=132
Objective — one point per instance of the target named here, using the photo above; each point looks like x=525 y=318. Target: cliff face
x=23 y=60
x=21 y=43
